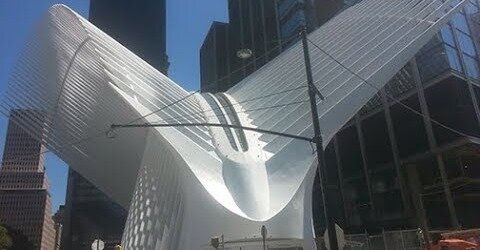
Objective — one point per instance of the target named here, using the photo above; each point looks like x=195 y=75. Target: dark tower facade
x=265 y=27
x=218 y=68
x=141 y=27
x=138 y=25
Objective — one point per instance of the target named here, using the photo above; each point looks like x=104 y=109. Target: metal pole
x=263 y=232
x=223 y=242
x=385 y=244
x=322 y=170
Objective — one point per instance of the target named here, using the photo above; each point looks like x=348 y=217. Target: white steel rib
x=183 y=185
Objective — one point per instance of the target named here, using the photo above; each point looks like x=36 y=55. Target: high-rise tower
x=138 y=25
x=265 y=27
x=24 y=198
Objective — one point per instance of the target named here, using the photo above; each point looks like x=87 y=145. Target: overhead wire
x=107 y=131
x=200 y=114
x=172 y=119
x=386 y=94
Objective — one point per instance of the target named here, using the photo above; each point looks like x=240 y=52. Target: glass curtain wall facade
x=215 y=44
x=294 y=15
x=91 y=215
x=253 y=25
x=266 y=27
x=138 y=25
x=373 y=160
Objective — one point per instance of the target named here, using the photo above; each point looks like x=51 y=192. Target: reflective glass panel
x=453 y=58
x=472 y=66
x=466 y=44
x=460 y=22
x=447 y=35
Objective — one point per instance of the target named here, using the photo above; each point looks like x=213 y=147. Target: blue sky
x=187 y=24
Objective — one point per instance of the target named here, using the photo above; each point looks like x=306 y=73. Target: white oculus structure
x=184 y=185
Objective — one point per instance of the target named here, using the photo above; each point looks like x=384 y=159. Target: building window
x=452 y=165
x=471 y=8
x=350 y=153
x=387 y=195
x=447 y=35
x=471 y=65
x=460 y=22
x=377 y=142
x=428 y=171
x=450 y=103
x=466 y=44
x=405 y=124
x=453 y=58
x=432 y=63
x=436 y=209
x=293 y=24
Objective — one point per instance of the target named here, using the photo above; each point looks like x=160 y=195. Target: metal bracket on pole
x=318 y=92
x=322 y=170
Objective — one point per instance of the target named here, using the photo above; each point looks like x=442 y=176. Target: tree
x=5 y=239
x=18 y=241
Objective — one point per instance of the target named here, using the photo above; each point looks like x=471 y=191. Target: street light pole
x=322 y=170
x=263 y=232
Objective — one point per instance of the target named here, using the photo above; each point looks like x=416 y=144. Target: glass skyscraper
x=265 y=27
x=393 y=168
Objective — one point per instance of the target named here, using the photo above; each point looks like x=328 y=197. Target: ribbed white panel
x=73 y=74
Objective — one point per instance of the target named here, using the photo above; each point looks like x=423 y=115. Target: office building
x=265 y=27
x=140 y=26
x=295 y=15
x=252 y=25
x=218 y=68
x=394 y=168
x=25 y=203
x=58 y=219
x=91 y=215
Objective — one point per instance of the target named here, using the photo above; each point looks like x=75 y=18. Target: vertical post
x=415 y=190
x=368 y=239
x=403 y=241
x=322 y=168
x=263 y=232
x=223 y=242
x=384 y=236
